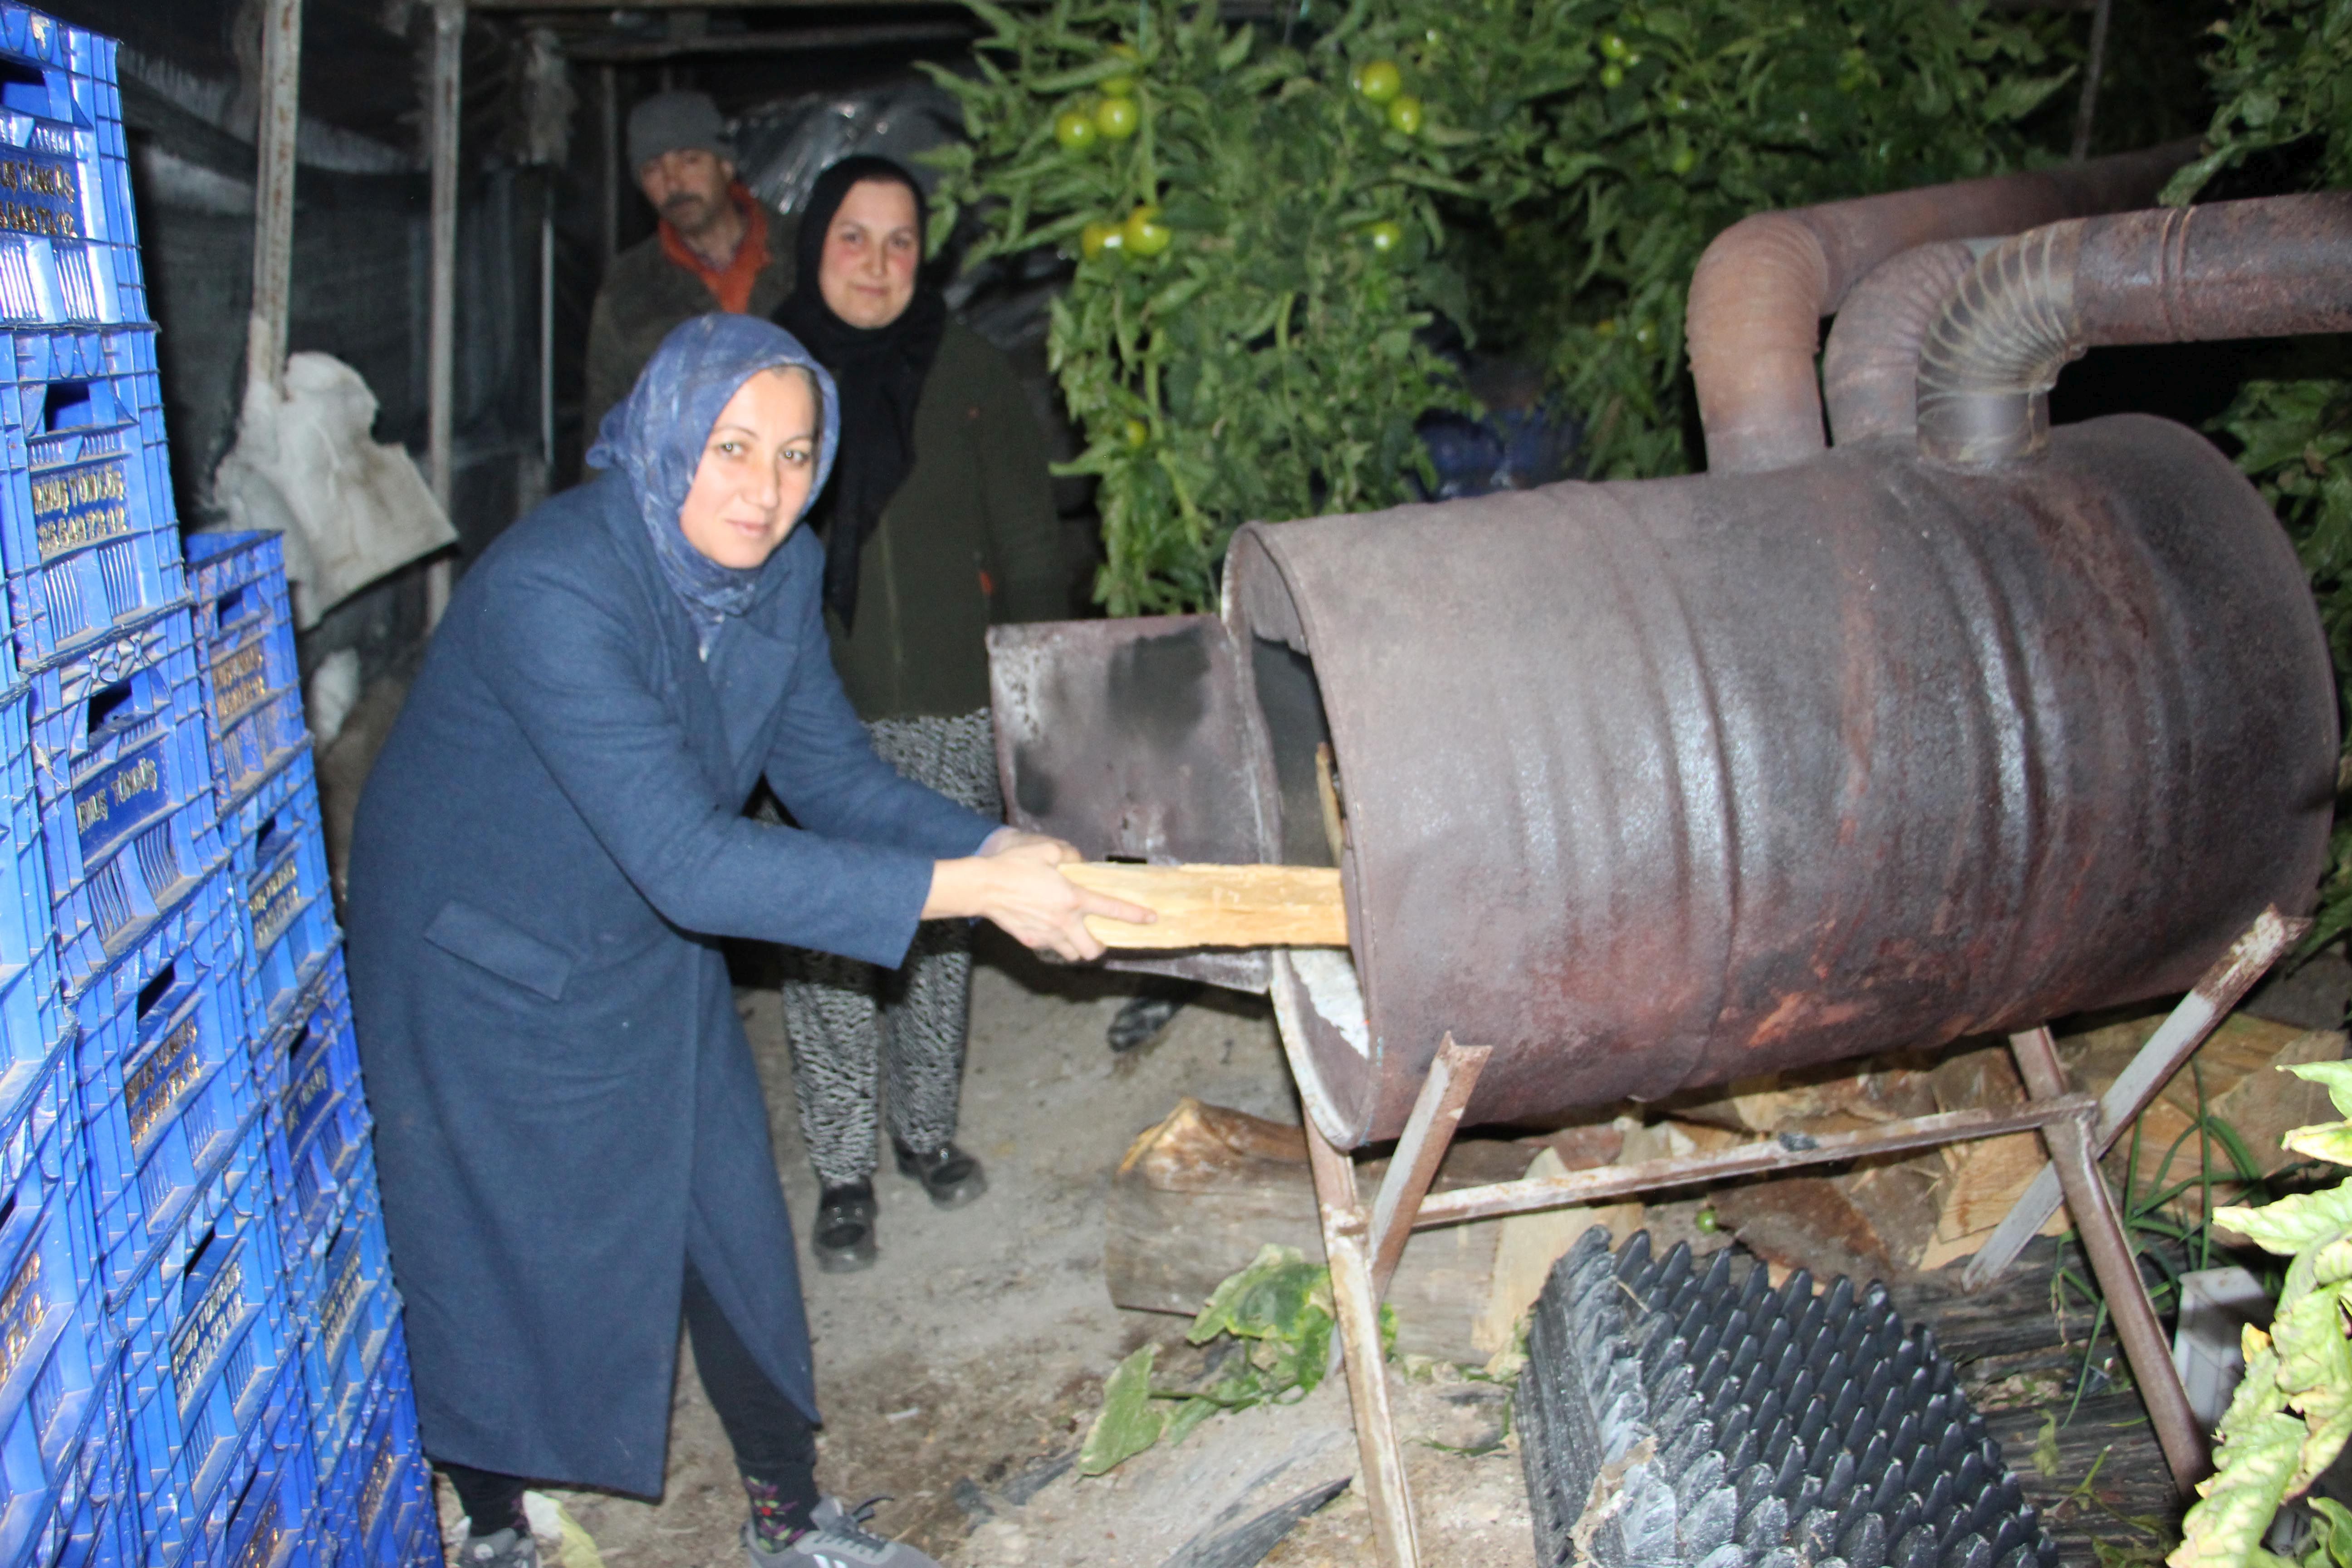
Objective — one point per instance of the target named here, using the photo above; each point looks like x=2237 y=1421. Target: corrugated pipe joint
x=1994 y=353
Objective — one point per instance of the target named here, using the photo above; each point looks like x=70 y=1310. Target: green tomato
x=1613 y=47
x=1099 y=236
x=1386 y=238
x=1378 y=80
x=1405 y=114
x=1633 y=59
x=1684 y=160
x=1118 y=118
x=1706 y=1222
x=1074 y=130
x=1645 y=334
x=1137 y=432
x=1607 y=329
x=1612 y=75
x=1144 y=233
x=1123 y=84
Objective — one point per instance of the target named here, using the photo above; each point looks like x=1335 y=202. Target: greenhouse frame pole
x=273 y=212
x=449 y=55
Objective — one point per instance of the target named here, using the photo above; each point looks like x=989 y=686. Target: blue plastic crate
x=323 y=1055
x=41 y=1139
x=110 y=699
x=145 y=1248
x=380 y=1480
x=279 y=858
x=328 y=1179
x=204 y=917
x=92 y=1517
x=275 y=1515
x=53 y=1350
x=87 y=532
x=64 y=190
x=196 y=1495
x=108 y=804
x=156 y=874
x=172 y=1068
x=245 y=630
x=347 y=1326
x=31 y=1017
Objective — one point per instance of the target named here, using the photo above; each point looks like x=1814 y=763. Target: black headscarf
x=879 y=371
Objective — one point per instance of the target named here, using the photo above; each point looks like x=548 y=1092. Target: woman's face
x=755 y=471
x=867 y=272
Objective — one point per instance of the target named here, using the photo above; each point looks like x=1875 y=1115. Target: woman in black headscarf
x=939 y=522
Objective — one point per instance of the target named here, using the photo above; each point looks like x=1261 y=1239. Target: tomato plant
x=1546 y=185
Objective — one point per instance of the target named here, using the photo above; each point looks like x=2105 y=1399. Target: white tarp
x=307 y=465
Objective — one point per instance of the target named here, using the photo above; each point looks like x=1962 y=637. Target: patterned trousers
x=855 y=1028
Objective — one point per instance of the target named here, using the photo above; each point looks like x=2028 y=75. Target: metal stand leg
x=2172 y=1044
x=2074 y=1156
x=1355 y=1303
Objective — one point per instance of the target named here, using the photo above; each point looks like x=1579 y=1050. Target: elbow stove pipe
x=1759 y=291
x=2233 y=270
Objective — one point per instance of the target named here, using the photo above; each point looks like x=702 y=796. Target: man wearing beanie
x=712 y=251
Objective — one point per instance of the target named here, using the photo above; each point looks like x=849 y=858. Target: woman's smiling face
x=756 y=469
x=867 y=271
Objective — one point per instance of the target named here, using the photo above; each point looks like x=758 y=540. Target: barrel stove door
x=1125 y=737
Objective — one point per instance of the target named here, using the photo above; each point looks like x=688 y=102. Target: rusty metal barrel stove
x=1648 y=786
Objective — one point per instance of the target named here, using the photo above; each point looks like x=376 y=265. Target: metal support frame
x=442 y=117
x=273 y=222
x=1362 y=1244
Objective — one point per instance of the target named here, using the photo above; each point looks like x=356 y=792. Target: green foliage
x=1736 y=106
x=2281 y=74
x=1278 y=1311
x=1265 y=354
x=2293 y=1411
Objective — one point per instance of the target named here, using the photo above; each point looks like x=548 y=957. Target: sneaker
x=836 y=1538
x=952 y=1177
x=844 y=1238
x=507 y=1548
x=1145 y=1018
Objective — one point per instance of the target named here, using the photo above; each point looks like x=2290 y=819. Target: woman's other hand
x=1012 y=882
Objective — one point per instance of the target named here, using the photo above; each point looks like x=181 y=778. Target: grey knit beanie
x=672 y=121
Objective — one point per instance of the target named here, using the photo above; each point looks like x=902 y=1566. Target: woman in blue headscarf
x=570 y=1134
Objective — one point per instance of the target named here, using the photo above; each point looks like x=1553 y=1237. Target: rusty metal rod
x=273 y=225
x=1356 y=1311
x=2174 y=1042
x=1786 y=1152
x=2072 y=1152
x=1427 y=1134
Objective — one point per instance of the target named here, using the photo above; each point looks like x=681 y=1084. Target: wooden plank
x=1219 y=906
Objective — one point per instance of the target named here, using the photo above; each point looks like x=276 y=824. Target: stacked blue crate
x=200 y=1362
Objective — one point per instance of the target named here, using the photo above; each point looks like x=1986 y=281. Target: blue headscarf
x=655 y=437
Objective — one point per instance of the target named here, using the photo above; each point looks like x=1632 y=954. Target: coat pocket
x=485 y=940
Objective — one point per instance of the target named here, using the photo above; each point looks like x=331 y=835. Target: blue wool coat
x=566 y=1109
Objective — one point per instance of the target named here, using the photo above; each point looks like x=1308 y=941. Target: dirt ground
x=958 y=1374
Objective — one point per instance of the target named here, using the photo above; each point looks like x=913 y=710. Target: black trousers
x=774 y=1442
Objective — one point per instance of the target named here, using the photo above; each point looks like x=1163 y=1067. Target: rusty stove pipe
x=1761 y=290
x=2233 y=270
x=1870 y=371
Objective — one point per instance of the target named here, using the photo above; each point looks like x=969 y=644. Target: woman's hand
x=1012 y=882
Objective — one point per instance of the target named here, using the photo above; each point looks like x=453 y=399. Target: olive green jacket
x=971 y=539
x=643 y=295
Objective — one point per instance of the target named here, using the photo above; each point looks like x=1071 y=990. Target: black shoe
x=952 y=1177
x=844 y=1238
x=1145 y=1018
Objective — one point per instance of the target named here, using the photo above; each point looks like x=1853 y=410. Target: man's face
x=687 y=187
